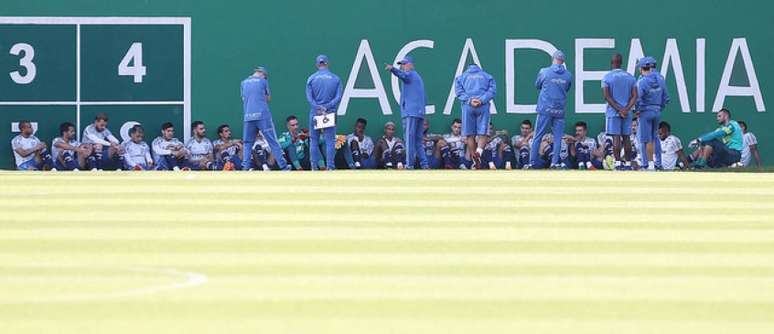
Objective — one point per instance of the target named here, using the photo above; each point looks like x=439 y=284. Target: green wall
x=229 y=38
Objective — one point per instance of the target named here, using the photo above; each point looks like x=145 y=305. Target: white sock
x=479 y=151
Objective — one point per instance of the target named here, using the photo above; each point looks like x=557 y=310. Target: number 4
x=134 y=56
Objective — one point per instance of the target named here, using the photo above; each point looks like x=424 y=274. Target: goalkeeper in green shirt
x=295 y=144
x=719 y=148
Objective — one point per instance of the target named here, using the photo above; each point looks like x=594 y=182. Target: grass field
x=387 y=252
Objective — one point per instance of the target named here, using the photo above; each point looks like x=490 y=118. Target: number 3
x=26 y=62
x=137 y=70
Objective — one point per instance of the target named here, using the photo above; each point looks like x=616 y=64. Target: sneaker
x=176 y=169
x=492 y=165
x=266 y=168
x=400 y=165
x=508 y=165
x=581 y=166
x=185 y=169
x=137 y=168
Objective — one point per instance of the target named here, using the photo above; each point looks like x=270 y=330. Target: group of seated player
x=99 y=149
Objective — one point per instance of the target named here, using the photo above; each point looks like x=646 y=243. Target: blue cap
x=647 y=62
x=321 y=59
x=558 y=55
x=406 y=60
x=262 y=69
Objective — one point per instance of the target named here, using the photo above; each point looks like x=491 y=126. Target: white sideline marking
x=191 y=279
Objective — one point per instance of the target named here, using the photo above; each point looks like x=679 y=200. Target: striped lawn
x=387 y=252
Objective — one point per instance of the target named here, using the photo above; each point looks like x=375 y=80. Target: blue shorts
x=475 y=121
x=619 y=126
x=27 y=164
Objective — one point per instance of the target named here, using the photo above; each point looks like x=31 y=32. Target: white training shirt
x=137 y=153
x=669 y=148
x=748 y=140
x=92 y=136
x=366 y=145
x=198 y=149
x=163 y=147
x=57 y=152
x=23 y=143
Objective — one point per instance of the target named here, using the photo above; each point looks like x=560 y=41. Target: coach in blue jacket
x=412 y=111
x=475 y=89
x=257 y=117
x=323 y=92
x=553 y=83
x=652 y=97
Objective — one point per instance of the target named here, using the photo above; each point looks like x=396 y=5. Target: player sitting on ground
x=749 y=147
x=106 y=146
x=361 y=146
x=169 y=153
x=522 y=142
x=199 y=147
x=68 y=153
x=585 y=150
x=722 y=147
x=295 y=144
x=430 y=142
x=546 y=153
x=30 y=153
x=452 y=147
x=497 y=152
x=227 y=151
x=389 y=150
x=261 y=154
x=605 y=141
x=137 y=153
x=672 y=155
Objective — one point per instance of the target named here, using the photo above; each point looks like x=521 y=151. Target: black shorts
x=722 y=156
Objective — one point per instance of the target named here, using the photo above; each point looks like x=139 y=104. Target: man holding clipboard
x=323 y=92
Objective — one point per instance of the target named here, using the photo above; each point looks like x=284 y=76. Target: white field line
x=187 y=280
x=339 y=234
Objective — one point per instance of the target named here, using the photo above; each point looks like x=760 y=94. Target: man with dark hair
x=430 y=143
x=200 y=149
x=620 y=91
x=169 y=153
x=361 y=146
x=652 y=97
x=295 y=144
x=749 y=147
x=389 y=150
x=137 y=153
x=722 y=147
x=585 y=149
x=522 y=142
x=30 y=153
x=672 y=155
x=68 y=153
x=227 y=151
x=452 y=147
x=106 y=146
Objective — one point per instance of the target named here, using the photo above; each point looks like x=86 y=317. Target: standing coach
x=553 y=82
x=412 y=111
x=257 y=117
x=323 y=92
